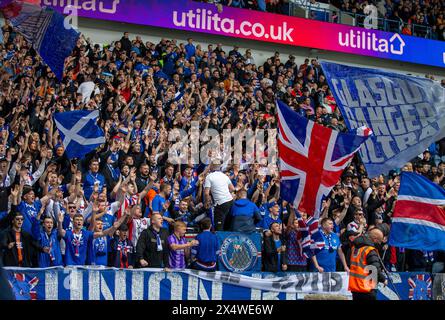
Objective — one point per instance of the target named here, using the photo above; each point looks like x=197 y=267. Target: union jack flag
x=420 y=287
x=309 y=236
x=312 y=158
x=23 y=286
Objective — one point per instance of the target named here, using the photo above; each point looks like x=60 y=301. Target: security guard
x=365 y=268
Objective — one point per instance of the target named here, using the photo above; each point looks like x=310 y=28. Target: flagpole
x=388 y=276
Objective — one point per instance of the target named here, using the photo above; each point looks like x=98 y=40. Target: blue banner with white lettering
x=93 y=283
x=405 y=113
x=239 y=252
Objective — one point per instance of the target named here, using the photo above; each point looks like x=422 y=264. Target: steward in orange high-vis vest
x=366 y=269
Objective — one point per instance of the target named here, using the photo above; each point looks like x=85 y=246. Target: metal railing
x=315 y=12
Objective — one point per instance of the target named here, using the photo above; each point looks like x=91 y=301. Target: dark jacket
x=142 y=182
x=109 y=181
x=117 y=259
x=270 y=255
x=374 y=203
x=10 y=256
x=146 y=248
x=126 y=44
x=373 y=256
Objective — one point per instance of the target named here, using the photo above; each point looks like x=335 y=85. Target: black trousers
x=220 y=214
x=357 y=296
x=294 y=268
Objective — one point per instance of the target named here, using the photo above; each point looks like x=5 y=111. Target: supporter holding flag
x=295 y=231
x=79 y=132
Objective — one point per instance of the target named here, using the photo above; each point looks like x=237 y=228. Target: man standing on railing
x=217 y=186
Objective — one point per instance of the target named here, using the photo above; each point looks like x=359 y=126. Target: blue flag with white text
x=406 y=113
x=79 y=132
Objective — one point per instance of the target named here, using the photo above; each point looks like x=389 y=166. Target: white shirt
x=366 y=196
x=219 y=184
x=86 y=89
x=139 y=225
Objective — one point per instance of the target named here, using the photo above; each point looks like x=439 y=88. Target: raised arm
x=147 y=187
x=60 y=229
x=110 y=231
x=342 y=215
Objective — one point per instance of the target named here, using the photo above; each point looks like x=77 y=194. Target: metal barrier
x=316 y=12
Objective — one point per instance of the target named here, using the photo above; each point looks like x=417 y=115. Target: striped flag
x=418 y=221
x=310 y=237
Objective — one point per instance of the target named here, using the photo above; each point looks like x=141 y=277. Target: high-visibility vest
x=358 y=281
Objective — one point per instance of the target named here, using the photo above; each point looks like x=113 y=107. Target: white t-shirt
x=86 y=89
x=219 y=183
x=139 y=225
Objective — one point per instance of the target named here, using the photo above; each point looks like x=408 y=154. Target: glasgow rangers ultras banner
x=239 y=252
x=405 y=113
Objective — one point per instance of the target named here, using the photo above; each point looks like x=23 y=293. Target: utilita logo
x=104 y=6
x=209 y=21
x=369 y=41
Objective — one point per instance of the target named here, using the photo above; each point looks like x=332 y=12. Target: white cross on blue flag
x=79 y=132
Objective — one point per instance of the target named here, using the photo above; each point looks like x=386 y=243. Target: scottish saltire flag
x=312 y=158
x=418 y=221
x=405 y=113
x=44 y=29
x=79 y=132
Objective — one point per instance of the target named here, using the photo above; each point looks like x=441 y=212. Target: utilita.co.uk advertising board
x=240 y=23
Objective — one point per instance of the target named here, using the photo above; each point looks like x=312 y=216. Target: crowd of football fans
x=125 y=205
x=402 y=15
